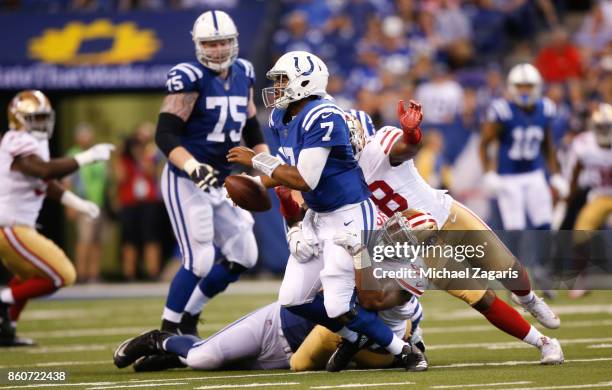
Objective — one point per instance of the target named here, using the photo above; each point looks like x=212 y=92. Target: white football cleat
x=551 y=351
x=540 y=311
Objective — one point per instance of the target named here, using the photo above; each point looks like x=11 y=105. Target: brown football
x=247 y=193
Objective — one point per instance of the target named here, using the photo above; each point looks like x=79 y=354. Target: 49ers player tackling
x=27 y=174
x=386 y=162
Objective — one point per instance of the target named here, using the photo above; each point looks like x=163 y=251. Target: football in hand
x=247 y=193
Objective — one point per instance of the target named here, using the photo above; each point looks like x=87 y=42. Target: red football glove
x=410 y=120
x=289 y=208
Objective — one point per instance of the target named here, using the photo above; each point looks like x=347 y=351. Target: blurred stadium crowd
x=450 y=55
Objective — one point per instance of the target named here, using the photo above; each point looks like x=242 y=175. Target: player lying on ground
x=317 y=159
x=384 y=168
x=269 y=338
x=27 y=174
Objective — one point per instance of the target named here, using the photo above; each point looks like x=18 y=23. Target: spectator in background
x=454 y=31
x=297 y=35
x=596 y=30
x=559 y=60
x=90 y=183
x=140 y=203
x=443 y=99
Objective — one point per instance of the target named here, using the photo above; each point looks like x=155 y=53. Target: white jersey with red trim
x=396 y=188
x=596 y=164
x=21 y=196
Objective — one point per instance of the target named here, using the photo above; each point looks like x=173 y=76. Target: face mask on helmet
x=601 y=125
x=296 y=76
x=524 y=85
x=31 y=111
x=217 y=55
x=357 y=134
x=216 y=40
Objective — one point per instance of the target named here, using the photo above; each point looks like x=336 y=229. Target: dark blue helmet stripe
x=214 y=15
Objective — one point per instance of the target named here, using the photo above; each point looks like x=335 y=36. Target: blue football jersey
x=216 y=122
x=521 y=135
x=321 y=124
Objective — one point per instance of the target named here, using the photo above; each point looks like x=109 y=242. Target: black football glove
x=204 y=176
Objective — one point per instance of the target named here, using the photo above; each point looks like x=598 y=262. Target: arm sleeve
x=311 y=163
x=252 y=132
x=168 y=132
x=183 y=77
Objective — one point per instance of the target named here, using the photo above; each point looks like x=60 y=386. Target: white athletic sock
x=6 y=296
x=396 y=345
x=534 y=337
x=347 y=334
x=171 y=316
x=526 y=298
x=196 y=302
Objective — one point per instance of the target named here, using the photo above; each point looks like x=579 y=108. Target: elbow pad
x=168 y=133
x=252 y=133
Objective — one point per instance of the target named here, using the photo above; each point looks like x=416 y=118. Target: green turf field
x=464 y=351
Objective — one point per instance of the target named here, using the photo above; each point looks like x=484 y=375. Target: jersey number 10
x=526 y=142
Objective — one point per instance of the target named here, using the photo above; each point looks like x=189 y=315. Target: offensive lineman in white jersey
x=27 y=174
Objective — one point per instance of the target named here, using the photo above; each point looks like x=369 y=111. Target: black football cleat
x=160 y=362
x=149 y=343
x=189 y=324
x=412 y=359
x=343 y=355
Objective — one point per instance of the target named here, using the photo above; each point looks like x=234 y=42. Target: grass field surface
x=465 y=352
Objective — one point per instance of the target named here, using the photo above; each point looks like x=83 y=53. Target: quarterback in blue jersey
x=315 y=157
x=209 y=109
x=521 y=127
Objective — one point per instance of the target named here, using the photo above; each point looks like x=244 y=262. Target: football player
x=208 y=110
x=592 y=152
x=395 y=183
x=316 y=158
x=521 y=127
x=269 y=338
x=27 y=175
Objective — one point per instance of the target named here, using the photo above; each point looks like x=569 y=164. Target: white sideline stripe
x=479 y=385
x=559 y=310
x=288 y=373
x=248 y=385
x=518 y=363
x=485 y=328
x=353 y=385
x=140 y=385
x=128 y=330
x=584 y=386
x=599 y=346
x=514 y=344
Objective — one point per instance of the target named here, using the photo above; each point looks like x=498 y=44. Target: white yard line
x=454 y=315
x=139 y=385
x=598 y=346
x=491 y=328
x=583 y=386
x=513 y=344
x=247 y=385
x=354 y=385
x=479 y=385
x=83 y=332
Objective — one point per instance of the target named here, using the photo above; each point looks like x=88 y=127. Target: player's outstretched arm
x=69 y=199
x=274 y=168
x=406 y=147
x=557 y=181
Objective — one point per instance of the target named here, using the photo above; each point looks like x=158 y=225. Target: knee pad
x=204 y=258
x=204 y=358
x=241 y=249
x=67 y=273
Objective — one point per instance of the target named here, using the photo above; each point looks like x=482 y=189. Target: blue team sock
x=180 y=290
x=180 y=345
x=315 y=312
x=367 y=322
x=544 y=226
x=217 y=280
